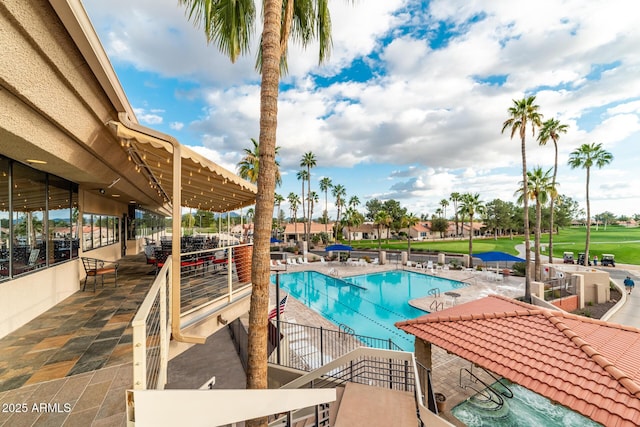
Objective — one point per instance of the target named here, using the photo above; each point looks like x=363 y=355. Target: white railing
x=151 y=332
x=208 y=277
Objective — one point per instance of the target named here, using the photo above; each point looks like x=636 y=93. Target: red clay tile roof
x=590 y=366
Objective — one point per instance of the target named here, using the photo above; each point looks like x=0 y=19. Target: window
x=99 y=231
x=38 y=219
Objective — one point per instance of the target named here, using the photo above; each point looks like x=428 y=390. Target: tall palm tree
x=309 y=161
x=409 y=220
x=541 y=189
x=229 y=25
x=551 y=130
x=455 y=199
x=249 y=165
x=294 y=202
x=278 y=199
x=524 y=113
x=302 y=175
x=444 y=203
x=586 y=156
x=339 y=192
x=325 y=185
x=312 y=198
x=469 y=206
x=354 y=202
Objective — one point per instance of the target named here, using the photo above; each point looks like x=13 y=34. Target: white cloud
x=426 y=109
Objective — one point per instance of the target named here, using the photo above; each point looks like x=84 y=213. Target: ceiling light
x=37 y=162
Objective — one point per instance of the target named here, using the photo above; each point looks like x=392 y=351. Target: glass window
x=99 y=230
x=29 y=204
x=59 y=220
x=5 y=232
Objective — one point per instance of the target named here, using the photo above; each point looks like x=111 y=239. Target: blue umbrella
x=274 y=240
x=497 y=257
x=338 y=248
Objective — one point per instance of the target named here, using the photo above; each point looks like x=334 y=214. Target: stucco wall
x=27 y=297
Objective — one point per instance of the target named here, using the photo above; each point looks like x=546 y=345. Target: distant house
x=365 y=231
x=295 y=231
x=423 y=230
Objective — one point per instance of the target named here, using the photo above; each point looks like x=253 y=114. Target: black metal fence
x=560 y=287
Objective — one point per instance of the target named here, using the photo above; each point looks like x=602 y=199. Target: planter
x=441 y=402
x=242 y=257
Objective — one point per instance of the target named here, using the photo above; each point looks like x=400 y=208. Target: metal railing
x=309 y=347
x=206 y=277
x=560 y=288
x=396 y=370
x=151 y=332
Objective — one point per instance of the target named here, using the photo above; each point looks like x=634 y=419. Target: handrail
x=487 y=392
x=411 y=373
x=151 y=332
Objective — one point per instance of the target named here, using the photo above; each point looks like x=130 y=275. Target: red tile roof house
x=590 y=366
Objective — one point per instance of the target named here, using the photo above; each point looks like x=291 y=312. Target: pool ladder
x=342 y=328
x=488 y=394
x=436 y=305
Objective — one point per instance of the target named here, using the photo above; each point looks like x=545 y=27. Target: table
x=453 y=295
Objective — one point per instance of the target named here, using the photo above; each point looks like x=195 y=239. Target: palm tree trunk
x=304 y=217
x=551 y=203
x=527 y=245
x=588 y=239
x=470 y=241
x=537 y=240
x=257 y=339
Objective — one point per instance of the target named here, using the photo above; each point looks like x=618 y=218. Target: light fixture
x=102 y=191
x=37 y=162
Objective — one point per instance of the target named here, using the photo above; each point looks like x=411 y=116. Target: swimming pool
x=369 y=304
x=525 y=409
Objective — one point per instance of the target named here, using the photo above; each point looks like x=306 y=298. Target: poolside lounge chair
x=322 y=261
x=375 y=261
x=305 y=260
x=300 y=261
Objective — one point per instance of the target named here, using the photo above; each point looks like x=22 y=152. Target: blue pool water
x=525 y=409
x=369 y=304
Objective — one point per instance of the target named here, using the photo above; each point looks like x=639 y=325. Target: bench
x=94 y=267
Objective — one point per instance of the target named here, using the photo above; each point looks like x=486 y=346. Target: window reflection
x=98 y=231
x=28 y=195
x=5 y=232
x=38 y=219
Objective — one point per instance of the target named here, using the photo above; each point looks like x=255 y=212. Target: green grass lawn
x=623 y=242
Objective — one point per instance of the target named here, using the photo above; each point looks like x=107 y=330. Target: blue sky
x=411 y=103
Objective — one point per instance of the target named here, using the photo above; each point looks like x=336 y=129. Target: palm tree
x=278 y=199
x=409 y=220
x=470 y=205
x=586 y=156
x=444 y=203
x=354 y=202
x=339 y=192
x=325 y=185
x=249 y=166
x=455 y=199
x=302 y=175
x=541 y=189
x=312 y=198
x=522 y=114
x=382 y=219
x=352 y=218
x=294 y=202
x=229 y=26
x=551 y=130
x=308 y=161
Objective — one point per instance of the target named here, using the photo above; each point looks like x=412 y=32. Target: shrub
x=518 y=268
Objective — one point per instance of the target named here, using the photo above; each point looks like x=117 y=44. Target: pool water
x=369 y=304
x=525 y=409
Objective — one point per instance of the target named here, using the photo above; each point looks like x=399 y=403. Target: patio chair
x=94 y=267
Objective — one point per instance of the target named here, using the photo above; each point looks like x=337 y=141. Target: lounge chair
x=375 y=261
x=300 y=261
x=322 y=261
x=305 y=260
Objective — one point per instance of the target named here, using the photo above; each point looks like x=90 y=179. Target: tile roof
x=590 y=366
